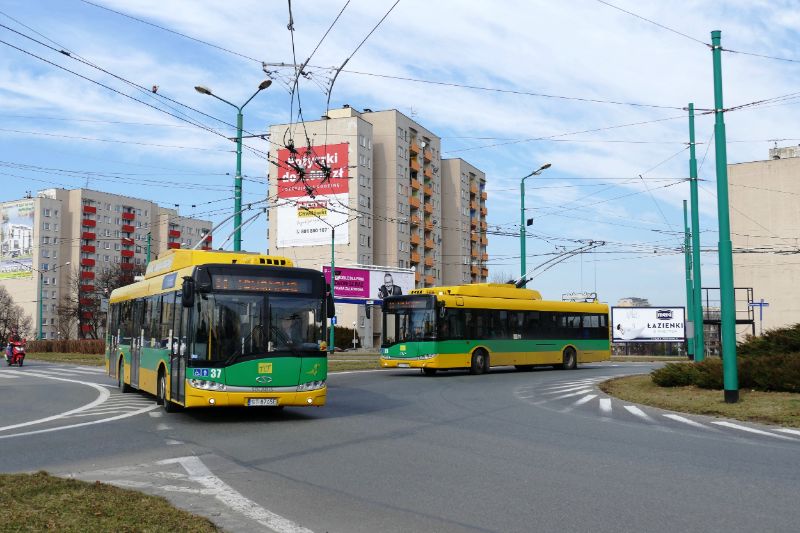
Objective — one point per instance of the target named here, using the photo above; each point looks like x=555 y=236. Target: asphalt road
x=398 y=451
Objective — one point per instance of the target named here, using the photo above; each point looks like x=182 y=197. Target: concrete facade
x=92 y=230
x=765 y=233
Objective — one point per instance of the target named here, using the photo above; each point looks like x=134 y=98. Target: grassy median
x=68 y=358
x=41 y=502
x=781 y=408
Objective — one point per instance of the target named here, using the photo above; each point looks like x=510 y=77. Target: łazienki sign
x=648 y=324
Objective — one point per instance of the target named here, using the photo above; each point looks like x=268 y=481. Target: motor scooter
x=15 y=352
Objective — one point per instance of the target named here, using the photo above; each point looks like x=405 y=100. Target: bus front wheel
x=480 y=362
x=161 y=397
x=570 y=359
x=123 y=387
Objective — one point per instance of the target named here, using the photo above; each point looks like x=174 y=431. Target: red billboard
x=313 y=164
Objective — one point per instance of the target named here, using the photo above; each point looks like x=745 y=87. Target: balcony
x=414 y=165
x=429 y=208
x=484 y=273
x=174 y=233
x=484 y=241
x=413 y=201
x=86 y=328
x=89 y=209
x=474 y=254
x=87 y=262
x=87 y=249
x=484 y=257
x=86 y=288
x=209 y=238
x=126 y=253
x=483 y=225
x=473 y=204
x=206 y=247
x=414 y=148
x=426 y=155
x=473 y=189
x=87 y=315
x=414 y=220
x=474 y=270
x=88 y=223
x=126 y=266
x=173 y=245
x=128 y=216
x=428 y=173
x=415 y=239
x=127 y=228
x=417 y=276
x=87 y=274
x=428 y=225
x=474 y=237
x=88 y=236
x=484 y=196
x=483 y=211
x=428 y=190
x=429 y=261
x=429 y=280
x=85 y=301
x=415 y=184
x=126 y=241
x=429 y=244
x=473 y=222
x=414 y=257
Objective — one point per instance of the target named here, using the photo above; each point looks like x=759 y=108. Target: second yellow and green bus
x=483 y=325
x=213 y=328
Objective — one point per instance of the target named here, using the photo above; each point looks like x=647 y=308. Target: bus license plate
x=403 y=365
x=256 y=402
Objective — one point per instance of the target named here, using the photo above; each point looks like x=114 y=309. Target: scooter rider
x=13 y=339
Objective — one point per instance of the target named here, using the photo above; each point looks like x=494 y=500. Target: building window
x=47 y=212
x=46 y=225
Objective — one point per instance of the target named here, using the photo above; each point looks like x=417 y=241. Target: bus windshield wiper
x=281 y=336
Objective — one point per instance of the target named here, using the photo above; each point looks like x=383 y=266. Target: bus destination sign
x=232 y=282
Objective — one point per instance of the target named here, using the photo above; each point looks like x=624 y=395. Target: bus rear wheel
x=480 y=362
x=161 y=397
x=569 y=359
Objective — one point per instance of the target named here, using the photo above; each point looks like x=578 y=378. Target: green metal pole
x=699 y=334
x=333 y=282
x=237 y=187
x=522 y=269
x=148 y=247
x=41 y=303
x=730 y=375
x=689 y=296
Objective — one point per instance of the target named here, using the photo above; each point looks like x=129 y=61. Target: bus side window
x=531 y=327
x=516 y=324
x=165 y=323
x=125 y=324
x=499 y=324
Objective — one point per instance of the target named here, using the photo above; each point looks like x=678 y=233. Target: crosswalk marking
x=9 y=376
x=605 y=406
x=686 y=421
x=585 y=399
x=632 y=409
x=571 y=394
x=559 y=391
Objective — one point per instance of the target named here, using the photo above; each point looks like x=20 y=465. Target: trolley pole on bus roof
x=730 y=374
x=522 y=221
x=690 y=347
x=697 y=308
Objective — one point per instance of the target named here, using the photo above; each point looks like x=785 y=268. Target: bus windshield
x=409 y=318
x=241 y=325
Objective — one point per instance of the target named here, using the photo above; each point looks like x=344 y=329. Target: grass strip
x=70 y=358
x=41 y=502
x=780 y=408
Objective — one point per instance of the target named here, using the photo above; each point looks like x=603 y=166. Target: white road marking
x=571 y=394
x=173 y=442
x=156 y=414
x=632 y=409
x=686 y=421
x=163 y=427
x=585 y=399
x=9 y=376
x=199 y=473
x=751 y=430
x=605 y=406
x=567 y=389
x=102 y=397
x=789 y=431
x=93 y=422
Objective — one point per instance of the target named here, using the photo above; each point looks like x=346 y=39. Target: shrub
x=773 y=341
x=709 y=374
x=674 y=375
x=84 y=346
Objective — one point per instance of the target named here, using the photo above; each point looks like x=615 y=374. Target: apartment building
x=765 y=233
x=76 y=234
x=383 y=195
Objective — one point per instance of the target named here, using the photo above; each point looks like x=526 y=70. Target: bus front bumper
x=426 y=361
x=206 y=398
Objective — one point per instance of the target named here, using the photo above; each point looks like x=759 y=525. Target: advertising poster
x=648 y=324
x=366 y=284
x=16 y=239
x=310 y=201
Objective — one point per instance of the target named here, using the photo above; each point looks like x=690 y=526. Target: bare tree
x=501 y=277
x=13 y=317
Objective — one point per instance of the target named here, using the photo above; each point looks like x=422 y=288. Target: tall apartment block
x=391 y=198
x=91 y=231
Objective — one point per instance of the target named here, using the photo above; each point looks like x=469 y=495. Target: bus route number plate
x=256 y=402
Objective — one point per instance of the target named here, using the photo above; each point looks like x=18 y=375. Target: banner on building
x=16 y=239
x=369 y=284
x=648 y=324
x=313 y=196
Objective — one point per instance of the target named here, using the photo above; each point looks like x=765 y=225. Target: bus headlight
x=207 y=385
x=311 y=385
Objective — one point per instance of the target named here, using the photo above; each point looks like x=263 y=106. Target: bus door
x=137 y=335
x=179 y=354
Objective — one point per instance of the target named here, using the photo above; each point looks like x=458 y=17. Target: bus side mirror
x=187 y=292
x=330 y=306
x=367 y=311
x=442 y=310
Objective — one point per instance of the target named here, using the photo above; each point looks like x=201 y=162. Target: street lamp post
x=237 y=183
x=522 y=216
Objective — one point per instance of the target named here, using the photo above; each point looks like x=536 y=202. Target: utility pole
x=699 y=340
x=522 y=221
x=149 y=237
x=331 y=347
x=730 y=374
x=689 y=295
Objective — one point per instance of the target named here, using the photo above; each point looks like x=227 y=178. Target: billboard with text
x=16 y=239
x=648 y=324
x=369 y=284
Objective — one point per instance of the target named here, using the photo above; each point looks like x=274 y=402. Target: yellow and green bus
x=213 y=329
x=488 y=324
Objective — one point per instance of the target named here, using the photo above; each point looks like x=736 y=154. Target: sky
x=597 y=89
